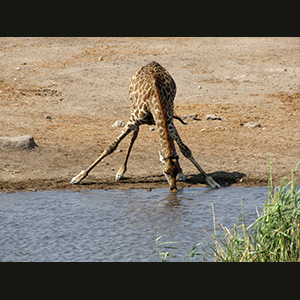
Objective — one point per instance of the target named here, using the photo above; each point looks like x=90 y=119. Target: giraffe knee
x=110 y=149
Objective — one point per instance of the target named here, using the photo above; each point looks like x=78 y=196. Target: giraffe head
x=171 y=169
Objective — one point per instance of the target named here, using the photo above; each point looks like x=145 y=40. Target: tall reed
x=274 y=236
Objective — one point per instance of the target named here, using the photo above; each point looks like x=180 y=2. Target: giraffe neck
x=163 y=120
x=167 y=145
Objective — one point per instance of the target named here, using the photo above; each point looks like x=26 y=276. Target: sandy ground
x=67 y=93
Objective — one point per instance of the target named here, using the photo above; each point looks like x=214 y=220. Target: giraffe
x=152 y=91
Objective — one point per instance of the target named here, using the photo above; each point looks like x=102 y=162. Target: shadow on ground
x=222 y=177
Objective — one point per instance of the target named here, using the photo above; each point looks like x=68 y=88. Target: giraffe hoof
x=212 y=183
x=120 y=174
x=119 y=177
x=78 y=178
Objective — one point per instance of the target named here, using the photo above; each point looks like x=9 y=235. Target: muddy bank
x=149 y=183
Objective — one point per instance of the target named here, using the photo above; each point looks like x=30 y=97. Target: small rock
x=118 y=124
x=193 y=116
x=151 y=128
x=220 y=128
x=252 y=125
x=48 y=117
x=100 y=58
x=18 y=142
x=213 y=117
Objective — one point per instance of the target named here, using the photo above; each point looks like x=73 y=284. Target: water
x=113 y=225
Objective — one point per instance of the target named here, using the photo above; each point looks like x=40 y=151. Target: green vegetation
x=165 y=245
x=273 y=237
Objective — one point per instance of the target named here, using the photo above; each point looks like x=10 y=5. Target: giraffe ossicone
x=152 y=91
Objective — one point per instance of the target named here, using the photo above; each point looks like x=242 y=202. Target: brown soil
x=82 y=84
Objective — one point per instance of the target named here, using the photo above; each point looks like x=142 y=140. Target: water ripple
x=115 y=225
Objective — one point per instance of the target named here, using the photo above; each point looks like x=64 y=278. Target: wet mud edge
x=225 y=179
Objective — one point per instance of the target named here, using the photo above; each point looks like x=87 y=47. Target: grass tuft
x=273 y=237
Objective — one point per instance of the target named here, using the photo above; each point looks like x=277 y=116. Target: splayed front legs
x=109 y=149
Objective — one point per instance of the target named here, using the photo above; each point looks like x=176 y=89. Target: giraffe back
x=148 y=80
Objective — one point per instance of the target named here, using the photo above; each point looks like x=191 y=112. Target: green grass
x=273 y=237
x=166 y=246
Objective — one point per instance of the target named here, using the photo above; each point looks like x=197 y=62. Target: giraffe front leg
x=188 y=154
x=120 y=174
x=79 y=177
x=211 y=182
x=109 y=149
x=123 y=168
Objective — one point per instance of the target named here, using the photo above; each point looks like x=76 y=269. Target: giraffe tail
x=179 y=119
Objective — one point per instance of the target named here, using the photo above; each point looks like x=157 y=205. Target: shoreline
x=126 y=184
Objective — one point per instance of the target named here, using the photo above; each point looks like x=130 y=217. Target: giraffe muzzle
x=173 y=187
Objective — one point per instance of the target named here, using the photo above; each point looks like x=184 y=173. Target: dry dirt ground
x=67 y=93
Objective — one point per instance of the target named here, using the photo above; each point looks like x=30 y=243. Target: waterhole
x=115 y=225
